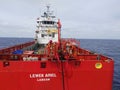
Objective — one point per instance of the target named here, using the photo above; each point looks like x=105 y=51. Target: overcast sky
x=91 y=19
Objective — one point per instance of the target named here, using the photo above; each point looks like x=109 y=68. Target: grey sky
x=97 y=19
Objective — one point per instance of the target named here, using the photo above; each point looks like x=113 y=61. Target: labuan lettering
x=43 y=79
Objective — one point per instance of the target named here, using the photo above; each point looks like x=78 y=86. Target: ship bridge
x=47 y=28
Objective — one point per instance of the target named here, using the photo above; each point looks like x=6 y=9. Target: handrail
x=15 y=47
x=24 y=57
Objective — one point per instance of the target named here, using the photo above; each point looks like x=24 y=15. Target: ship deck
x=34 y=52
x=31 y=67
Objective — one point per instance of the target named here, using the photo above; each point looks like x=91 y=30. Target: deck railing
x=11 y=49
x=36 y=57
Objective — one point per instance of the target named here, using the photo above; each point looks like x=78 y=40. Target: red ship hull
x=85 y=71
x=31 y=76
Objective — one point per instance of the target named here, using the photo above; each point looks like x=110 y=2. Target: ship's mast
x=48 y=9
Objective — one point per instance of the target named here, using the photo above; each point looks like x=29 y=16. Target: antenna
x=48 y=8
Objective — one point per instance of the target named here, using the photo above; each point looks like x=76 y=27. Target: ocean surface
x=109 y=48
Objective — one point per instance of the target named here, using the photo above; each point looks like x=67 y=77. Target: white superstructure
x=47 y=28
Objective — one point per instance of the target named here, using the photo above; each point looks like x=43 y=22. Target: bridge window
x=48 y=22
x=50 y=35
x=42 y=35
